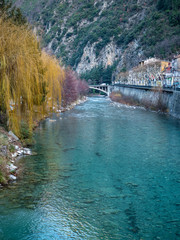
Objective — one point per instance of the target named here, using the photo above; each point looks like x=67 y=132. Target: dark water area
x=103 y=171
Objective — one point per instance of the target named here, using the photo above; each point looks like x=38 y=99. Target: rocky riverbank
x=10 y=149
x=72 y=105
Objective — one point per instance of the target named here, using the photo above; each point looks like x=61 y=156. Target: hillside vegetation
x=79 y=31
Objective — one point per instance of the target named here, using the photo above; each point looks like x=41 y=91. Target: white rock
x=12 y=167
x=27 y=151
x=10 y=139
x=14 y=155
x=13 y=135
x=20 y=152
x=12 y=177
x=16 y=147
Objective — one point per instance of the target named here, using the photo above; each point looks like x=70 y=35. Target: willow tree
x=30 y=81
x=52 y=80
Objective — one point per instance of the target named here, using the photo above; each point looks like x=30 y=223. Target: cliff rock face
x=113 y=33
x=108 y=55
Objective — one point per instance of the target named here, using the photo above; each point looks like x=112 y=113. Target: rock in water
x=27 y=151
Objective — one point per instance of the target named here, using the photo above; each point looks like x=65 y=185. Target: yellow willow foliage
x=30 y=80
x=53 y=77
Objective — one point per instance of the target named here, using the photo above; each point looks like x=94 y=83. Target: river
x=102 y=171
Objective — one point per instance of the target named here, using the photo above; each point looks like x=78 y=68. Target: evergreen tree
x=9 y=12
x=168 y=4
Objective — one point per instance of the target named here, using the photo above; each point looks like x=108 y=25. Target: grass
x=3 y=171
x=3 y=140
x=12 y=148
x=3 y=159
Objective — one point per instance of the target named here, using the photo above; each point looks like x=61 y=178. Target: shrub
x=73 y=88
x=25 y=131
x=12 y=148
x=174 y=18
x=3 y=170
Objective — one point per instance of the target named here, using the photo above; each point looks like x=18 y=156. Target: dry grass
x=120 y=98
x=131 y=101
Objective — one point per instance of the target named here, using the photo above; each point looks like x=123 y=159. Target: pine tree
x=9 y=12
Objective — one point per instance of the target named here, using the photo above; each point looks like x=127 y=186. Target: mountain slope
x=106 y=36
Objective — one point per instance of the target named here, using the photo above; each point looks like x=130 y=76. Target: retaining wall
x=171 y=100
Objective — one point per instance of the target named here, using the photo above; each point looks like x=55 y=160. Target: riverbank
x=10 y=149
x=72 y=105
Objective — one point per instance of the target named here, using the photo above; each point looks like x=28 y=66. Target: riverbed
x=102 y=171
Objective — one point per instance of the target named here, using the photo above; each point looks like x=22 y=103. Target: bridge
x=101 y=88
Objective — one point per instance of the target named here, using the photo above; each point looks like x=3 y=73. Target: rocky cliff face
x=108 y=55
x=89 y=34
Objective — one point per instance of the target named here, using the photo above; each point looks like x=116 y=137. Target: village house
x=176 y=71
x=153 y=72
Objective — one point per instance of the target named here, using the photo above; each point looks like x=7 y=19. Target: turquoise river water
x=102 y=171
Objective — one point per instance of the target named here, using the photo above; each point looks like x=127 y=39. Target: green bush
x=25 y=131
x=54 y=45
x=174 y=18
x=3 y=170
x=12 y=148
x=68 y=35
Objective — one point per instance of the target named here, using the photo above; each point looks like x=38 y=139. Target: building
x=171 y=73
x=153 y=72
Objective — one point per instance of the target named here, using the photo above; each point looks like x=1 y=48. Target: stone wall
x=170 y=100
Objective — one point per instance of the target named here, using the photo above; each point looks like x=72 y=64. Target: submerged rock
x=68 y=149
x=98 y=154
x=31 y=206
x=111 y=211
x=89 y=201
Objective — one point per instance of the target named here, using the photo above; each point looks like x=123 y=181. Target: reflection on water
x=102 y=172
